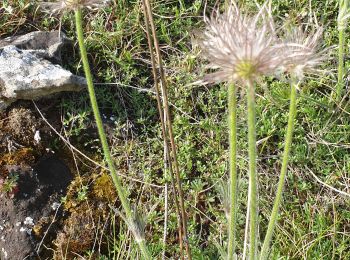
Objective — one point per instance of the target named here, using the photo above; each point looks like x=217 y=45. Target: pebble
x=37 y=137
x=4 y=252
x=55 y=205
x=28 y=221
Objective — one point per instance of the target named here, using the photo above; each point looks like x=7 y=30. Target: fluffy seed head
x=241 y=47
x=71 y=5
x=343 y=14
x=304 y=51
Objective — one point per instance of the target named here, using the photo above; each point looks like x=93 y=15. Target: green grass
x=314 y=222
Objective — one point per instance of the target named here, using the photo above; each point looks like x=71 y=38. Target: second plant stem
x=342 y=23
x=253 y=183
x=106 y=151
x=340 y=84
x=288 y=143
x=232 y=121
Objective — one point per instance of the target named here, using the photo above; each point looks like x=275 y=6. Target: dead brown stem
x=163 y=125
x=148 y=11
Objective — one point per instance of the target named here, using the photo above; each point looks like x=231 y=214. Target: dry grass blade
x=163 y=118
x=327 y=185
x=170 y=129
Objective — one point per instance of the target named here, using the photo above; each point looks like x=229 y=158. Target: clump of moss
x=11 y=164
x=78 y=233
x=21 y=125
x=87 y=202
x=103 y=188
x=41 y=226
x=22 y=158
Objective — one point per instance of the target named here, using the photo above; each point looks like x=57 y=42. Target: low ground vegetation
x=314 y=220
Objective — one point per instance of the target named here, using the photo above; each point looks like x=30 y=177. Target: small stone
x=55 y=205
x=4 y=252
x=23 y=229
x=37 y=137
x=28 y=221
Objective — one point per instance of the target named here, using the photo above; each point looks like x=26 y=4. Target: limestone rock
x=43 y=44
x=26 y=70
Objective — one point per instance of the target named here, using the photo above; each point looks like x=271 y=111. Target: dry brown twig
x=167 y=125
x=162 y=116
x=163 y=119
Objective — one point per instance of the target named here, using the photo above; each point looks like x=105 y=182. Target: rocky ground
x=33 y=180
x=46 y=210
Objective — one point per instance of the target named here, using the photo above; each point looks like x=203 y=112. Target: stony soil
x=27 y=216
x=34 y=224
x=30 y=211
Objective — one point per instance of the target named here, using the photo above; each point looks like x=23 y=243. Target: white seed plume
x=343 y=15
x=241 y=47
x=305 y=53
x=71 y=5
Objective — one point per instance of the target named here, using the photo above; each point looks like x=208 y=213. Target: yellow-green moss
x=23 y=157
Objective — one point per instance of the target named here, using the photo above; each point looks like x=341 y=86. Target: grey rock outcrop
x=27 y=71
x=47 y=45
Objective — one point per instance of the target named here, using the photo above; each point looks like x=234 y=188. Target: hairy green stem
x=288 y=142
x=343 y=10
x=120 y=190
x=340 y=85
x=232 y=121
x=253 y=183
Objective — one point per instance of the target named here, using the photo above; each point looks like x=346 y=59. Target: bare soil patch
x=32 y=182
